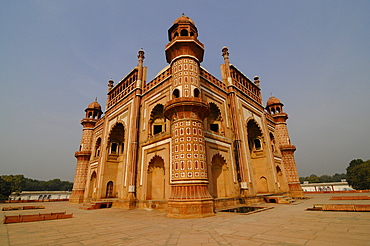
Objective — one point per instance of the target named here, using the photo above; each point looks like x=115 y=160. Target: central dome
x=183 y=19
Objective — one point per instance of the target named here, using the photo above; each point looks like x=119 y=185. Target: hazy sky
x=57 y=56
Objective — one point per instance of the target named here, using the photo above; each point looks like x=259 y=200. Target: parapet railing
x=244 y=84
x=212 y=79
x=123 y=88
x=161 y=77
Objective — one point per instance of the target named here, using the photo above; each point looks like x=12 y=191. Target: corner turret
x=275 y=108
x=93 y=114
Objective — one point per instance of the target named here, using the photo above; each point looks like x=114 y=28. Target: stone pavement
x=285 y=224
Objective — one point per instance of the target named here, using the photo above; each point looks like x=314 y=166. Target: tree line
x=313 y=178
x=19 y=183
x=357 y=176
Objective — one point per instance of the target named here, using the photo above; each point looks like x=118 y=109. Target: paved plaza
x=285 y=224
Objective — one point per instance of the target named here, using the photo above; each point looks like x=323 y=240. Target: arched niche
x=255 y=136
x=155 y=179
x=214 y=119
x=157 y=121
x=116 y=139
x=97 y=147
x=219 y=177
x=109 y=192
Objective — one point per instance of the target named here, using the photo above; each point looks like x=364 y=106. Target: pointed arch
x=219 y=177
x=92 y=185
x=273 y=142
x=215 y=120
x=97 y=147
x=254 y=135
x=109 y=190
x=116 y=139
x=156 y=179
x=157 y=121
x=262 y=185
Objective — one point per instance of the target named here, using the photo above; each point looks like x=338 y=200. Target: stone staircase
x=96 y=205
x=279 y=199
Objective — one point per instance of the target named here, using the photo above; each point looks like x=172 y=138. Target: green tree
x=16 y=182
x=358 y=174
x=5 y=189
x=313 y=178
x=339 y=176
x=326 y=178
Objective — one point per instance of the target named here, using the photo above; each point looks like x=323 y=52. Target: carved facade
x=185 y=141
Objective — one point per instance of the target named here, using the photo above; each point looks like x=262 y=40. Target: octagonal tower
x=275 y=108
x=186 y=110
x=93 y=114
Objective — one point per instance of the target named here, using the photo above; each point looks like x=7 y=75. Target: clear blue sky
x=57 y=56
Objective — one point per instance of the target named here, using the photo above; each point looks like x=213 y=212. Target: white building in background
x=332 y=186
x=40 y=195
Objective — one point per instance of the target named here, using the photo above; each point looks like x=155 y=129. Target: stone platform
x=285 y=224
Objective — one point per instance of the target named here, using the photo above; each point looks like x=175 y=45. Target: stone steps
x=96 y=205
x=279 y=199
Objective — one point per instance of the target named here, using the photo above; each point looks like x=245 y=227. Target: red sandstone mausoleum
x=185 y=142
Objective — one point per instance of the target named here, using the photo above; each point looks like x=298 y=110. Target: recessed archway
x=92 y=184
x=156 y=179
x=157 y=121
x=116 y=139
x=109 y=190
x=219 y=177
x=262 y=185
x=254 y=135
x=214 y=119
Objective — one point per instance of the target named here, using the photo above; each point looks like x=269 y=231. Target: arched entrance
x=92 y=184
x=109 y=191
x=156 y=179
x=219 y=177
x=280 y=177
x=262 y=185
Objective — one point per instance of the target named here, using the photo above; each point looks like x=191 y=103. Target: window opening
x=109 y=191
x=214 y=127
x=114 y=148
x=157 y=129
x=196 y=92
x=176 y=93
x=184 y=32
x=257 y=143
